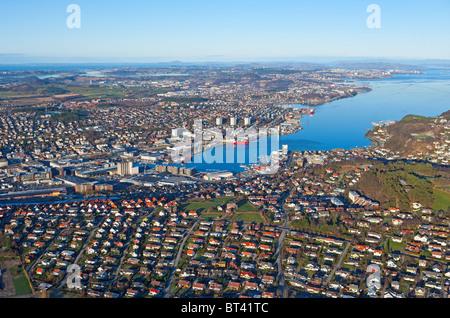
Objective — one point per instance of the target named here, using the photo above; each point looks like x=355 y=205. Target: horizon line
x=311 y=59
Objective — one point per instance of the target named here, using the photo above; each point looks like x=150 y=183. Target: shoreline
x=375 y=143
x=299 y=128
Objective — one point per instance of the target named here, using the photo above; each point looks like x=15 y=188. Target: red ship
x=241 y=142
x=308 y=110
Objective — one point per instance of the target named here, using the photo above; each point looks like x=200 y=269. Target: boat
x=260 y=167
x=245 y=142
x=306 y=110
x=266 y=169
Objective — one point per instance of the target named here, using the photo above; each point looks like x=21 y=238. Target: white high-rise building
x=219 y=121
x=233 y=121
x=126 y=168
x=247 y=121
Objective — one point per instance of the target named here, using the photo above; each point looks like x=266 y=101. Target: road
x=80 y=253
x=338 y=264
x=166 y=292
x=280 y=243
x=36 y=261
x=284 y=228
x=281 y=280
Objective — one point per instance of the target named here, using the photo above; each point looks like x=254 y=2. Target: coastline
x=350 y=123
x=287 y=132
x=375 y=143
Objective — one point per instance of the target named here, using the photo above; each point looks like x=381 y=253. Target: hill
x=414 y=136
x=399 y=184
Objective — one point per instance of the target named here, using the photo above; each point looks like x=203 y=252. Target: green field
x=90 y=92
x=421 y=136
x=22 y=286
x=394 y=246
x=441 y=200
x=93 y=92
x=248 y=217
x=204 y=206
x=211 y=216
x=245 y=206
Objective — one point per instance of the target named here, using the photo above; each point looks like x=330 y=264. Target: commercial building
x=175 y=170
x=217 y=176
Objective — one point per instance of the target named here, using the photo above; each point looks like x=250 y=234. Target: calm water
x=343 y=123
x=234 y=158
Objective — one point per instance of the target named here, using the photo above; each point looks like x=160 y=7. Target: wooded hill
x=399 y=184
x=413 y=134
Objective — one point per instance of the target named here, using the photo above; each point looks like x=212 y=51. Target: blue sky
x=221 y=30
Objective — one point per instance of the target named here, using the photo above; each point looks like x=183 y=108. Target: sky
x=221 y=30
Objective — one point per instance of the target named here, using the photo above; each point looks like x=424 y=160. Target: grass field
x=22 y=286
x=396 y=246
x=211 y=216
x=248 y=217
x=441 y=200
x=422 y=136
x=204 y=206
x=245 y=206
x=97 y=92
x=77 y=92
